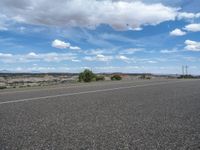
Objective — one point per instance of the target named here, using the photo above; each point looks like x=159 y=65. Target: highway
x=121 y=115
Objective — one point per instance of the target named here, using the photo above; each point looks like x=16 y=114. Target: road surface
x=153 y=114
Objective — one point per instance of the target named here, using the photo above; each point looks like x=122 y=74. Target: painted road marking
x=86 y=92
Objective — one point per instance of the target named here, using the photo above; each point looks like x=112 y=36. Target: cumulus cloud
x=195 y=27
x=121 y=15
x=177 y=32
x=63 y=45
x=186 y=15
x=60 y=44
x=192 y=45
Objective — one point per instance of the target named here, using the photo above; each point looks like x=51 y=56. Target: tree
x=86 y=76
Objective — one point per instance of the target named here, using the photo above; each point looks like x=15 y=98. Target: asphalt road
x=146 y=115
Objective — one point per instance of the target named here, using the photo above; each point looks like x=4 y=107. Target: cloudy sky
x=156 y=36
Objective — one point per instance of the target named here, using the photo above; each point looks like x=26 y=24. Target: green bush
x=116 y=77
x=86 y=76
x=100 y=78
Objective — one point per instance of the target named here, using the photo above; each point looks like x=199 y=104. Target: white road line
x=85 y=92
x=68 y=87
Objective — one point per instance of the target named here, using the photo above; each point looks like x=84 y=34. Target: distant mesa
x=4 y=71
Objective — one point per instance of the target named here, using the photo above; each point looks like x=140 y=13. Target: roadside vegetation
x=144 y=76
x=116 y=77
x=88 y=76
x=187 y=77
x=3 y=87
x=23 y=80
x=100 y=78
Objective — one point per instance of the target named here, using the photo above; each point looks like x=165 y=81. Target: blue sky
x=133 y=36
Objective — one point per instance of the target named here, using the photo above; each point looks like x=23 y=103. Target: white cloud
x=98 y=51
x=63 y=45
x=139 y=69
x=33 y=57
x=76 y=60
x=166 y=51
x=6 y=57
x=177 y=32
x=101 y=57
x=89 y=58
x=42 y=69
x=3 y=27
x=98 y=57
x=186 y=15
x=74 y=47
x=60 y=44
x=3 y=20
x=125 y=69
x=192 y=45
x=136 y=29
x=193 y=27
x=130 y=51
x=32 y=54
x=121 y=15
x=152 y=62
x=123 y=58
x=2 y=55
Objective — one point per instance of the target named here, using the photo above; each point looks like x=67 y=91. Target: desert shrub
x=186 y=77
x=100 y=78
x=3 y=87
x=116 y=77
x=144 y=76
x=86 y=76
x=148 y=78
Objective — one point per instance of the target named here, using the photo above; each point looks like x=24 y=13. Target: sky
x=130 y=36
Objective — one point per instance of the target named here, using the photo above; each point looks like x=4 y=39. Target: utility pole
x=183 y=70
x=186 y=70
